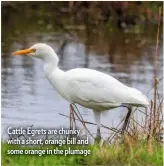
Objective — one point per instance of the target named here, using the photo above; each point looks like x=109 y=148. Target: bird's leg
x=70 y=120
x=126 y=119
x=97 y=119
x=98 y=135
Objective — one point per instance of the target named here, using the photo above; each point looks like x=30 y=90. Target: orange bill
x=22 y=52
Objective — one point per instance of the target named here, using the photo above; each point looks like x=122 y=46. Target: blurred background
x=117 y=38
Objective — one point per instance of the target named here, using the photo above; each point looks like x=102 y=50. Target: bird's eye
x=33 y=50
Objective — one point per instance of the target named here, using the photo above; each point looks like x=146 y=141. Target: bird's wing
x=93 y=86
x=89 y=91
x=97 y=90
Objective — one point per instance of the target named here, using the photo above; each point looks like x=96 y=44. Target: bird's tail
x=140 y=97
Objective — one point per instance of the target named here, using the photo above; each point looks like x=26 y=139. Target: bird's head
x=39 y=50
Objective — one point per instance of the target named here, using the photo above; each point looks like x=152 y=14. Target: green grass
x=138 y=153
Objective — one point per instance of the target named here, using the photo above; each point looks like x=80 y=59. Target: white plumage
x=95 y=90
x=89 y=88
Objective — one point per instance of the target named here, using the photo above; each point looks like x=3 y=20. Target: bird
x=87 y=87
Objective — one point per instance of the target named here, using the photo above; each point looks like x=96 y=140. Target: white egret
x=88 y=88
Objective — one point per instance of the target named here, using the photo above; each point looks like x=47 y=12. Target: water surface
x=29 y=99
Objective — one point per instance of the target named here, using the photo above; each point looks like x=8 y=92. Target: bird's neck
x=54 y=75
x=51 y=61
x=51 y=58
x=51 y=66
